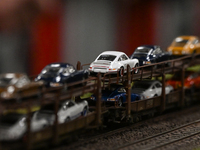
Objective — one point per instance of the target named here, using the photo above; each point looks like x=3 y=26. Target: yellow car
x=184 y=45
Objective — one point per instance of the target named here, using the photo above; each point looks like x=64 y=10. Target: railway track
x=138 y=131
x=166 y=139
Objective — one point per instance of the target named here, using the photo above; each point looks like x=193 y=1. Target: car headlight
x=183 y=52
x=58 y=79
x=10 y=89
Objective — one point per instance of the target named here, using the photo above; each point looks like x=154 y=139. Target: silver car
x=150 y=88
x=13 y=126
x=67 y=110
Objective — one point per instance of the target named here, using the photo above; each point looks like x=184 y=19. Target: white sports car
x=150 y=88
x=113 y=61
x=13 y=126
x=68 y=110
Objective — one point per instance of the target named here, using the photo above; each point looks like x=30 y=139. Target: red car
x=192 y=79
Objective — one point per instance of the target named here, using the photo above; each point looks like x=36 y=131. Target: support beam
x=182 y=102
x=28 y=121
x=163 y=99
x=55 y=137
x=128 y=92
x=78 y=65
x=98 y=102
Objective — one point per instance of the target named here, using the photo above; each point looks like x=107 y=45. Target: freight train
x=100 y=111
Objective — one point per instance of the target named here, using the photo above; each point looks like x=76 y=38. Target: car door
x=158 y=87
x=196 y=45
x=121 y=92
x=150 y=92
x=126 y=61
x=69 y=74
x=73 y=110
x=75 y=76
x=153 y=56
x=158 y=53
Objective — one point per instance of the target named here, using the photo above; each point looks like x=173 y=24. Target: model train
x=135 y=94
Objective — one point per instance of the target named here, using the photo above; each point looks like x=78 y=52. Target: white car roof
x=117 y=53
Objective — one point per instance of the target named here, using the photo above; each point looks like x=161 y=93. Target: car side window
x=124 y=57
x=158 y=51
x=71 y=69
x=22 y=81
x=195 y=41
x=22 y=122
x=69 y=104
x=120 y=59
x=153 y=87
x=158 y=85
x=66 y=71
x=121 y=90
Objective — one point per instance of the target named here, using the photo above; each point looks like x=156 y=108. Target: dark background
x=34 y=33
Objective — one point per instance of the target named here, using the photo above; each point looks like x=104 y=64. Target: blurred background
x=34 y=33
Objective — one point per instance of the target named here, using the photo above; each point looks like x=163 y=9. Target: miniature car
x=18 y=85
x=112 y=62
x=116 y=93
x=191 y=79
x=59 y=74
x=150 y=88
x=13 y=126
x=148 y=54
x=184 y=45
x=68 y=110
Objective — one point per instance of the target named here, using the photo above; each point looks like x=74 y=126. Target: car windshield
x=9 y=119
x=49 y=107
x=143 y=85
x=51 y=70
x=139 y=55
x=111 y=89
x=142 y=50
x=180 y=42
x=5 y=81
x=107 y=57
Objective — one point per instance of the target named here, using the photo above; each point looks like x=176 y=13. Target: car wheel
x=85 y=111
x=137 y=98
x=121 y=71
x=120 y=102
x=136 y=70
x=67 y=119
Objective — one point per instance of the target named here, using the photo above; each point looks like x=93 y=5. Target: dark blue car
x=148 y=54
x=58 y=74
x=116 y=93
